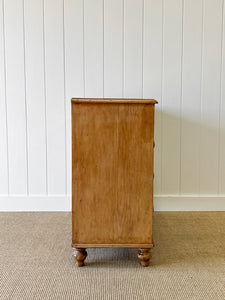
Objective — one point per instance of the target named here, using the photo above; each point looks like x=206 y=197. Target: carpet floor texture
x=188 y=260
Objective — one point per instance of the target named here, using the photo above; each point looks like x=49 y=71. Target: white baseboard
x=189 y=202
x=161 y=203
x=35 y=203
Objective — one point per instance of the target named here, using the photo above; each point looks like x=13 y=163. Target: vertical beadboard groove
x=64 y=91
x=45 y=96
x=74 y=67
x=190 y=111
x=6 y=109
x=93 y=30
x=201 y=98
x=221 y=96
x=211 y=94
x=14 y=54
x=83 y=50
x=133 y=48
x=152 y=73
x=35 y=99
x=222 y=120
x=55 y=96
x=181 y=89
x=162 y=91
x=123 y=50
x=25 y=98
x=142 y=58
x=113 y=47
x=103 y=48
x=171 y=103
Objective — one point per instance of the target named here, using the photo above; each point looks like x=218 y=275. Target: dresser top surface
x=113 y=100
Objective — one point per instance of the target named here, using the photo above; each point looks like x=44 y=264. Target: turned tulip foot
x=144 y=255
x=79 y=255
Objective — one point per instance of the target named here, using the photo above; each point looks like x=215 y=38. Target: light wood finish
x=109 y=100
x=113 y=245
x=112 y=173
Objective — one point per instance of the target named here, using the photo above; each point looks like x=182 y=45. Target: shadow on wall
x=189 y=153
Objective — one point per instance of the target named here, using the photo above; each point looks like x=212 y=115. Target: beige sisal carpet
x=188 y=261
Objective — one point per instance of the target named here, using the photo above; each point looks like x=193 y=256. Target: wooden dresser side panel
x=94 y=172
x=135 y=173
x=112 y=171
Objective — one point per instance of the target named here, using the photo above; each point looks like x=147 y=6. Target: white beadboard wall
x=170 y=50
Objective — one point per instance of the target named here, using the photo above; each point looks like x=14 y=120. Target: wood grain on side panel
x=112 y=173
x=94 y=172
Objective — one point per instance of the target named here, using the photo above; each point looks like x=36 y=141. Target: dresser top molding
x=113 y=100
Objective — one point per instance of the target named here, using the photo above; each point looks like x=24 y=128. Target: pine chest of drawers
x=112 y=175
